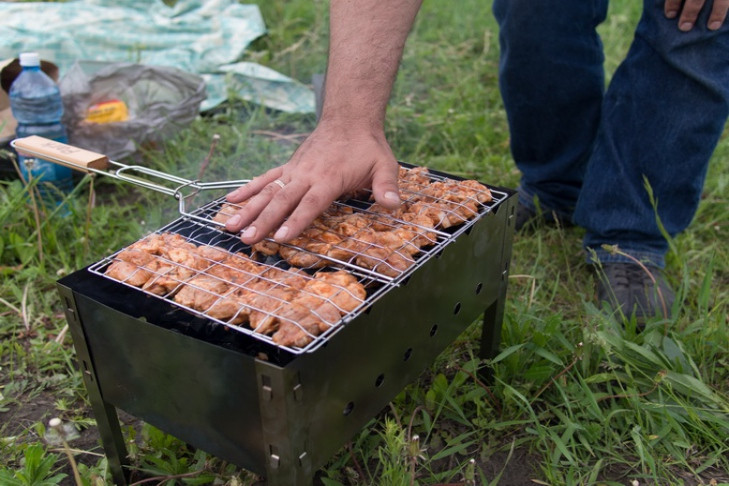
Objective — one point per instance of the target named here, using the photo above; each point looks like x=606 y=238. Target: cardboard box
x=9 y=70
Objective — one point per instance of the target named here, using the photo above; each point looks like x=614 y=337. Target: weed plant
x=579 y=396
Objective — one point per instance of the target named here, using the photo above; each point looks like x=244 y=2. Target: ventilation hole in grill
x=380 y=380
x=348 y=408
x=408 y=353
x=433 y=330
x=439 y=254
x=479 y=287
x=457 y=308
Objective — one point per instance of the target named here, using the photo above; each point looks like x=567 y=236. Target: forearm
x=366 y=44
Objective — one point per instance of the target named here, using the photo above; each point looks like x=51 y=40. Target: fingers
x=254 y=206
x=671 y=8
x=384 y=186
x=689 y=13
x=255 y=186
x=269 y=211
x=311 y=205
x=718 y=14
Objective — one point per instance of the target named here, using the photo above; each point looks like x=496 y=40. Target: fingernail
x=392 y=196
x=686 y=26
x=232 y=194
x=715 y=25
x=249 y=233
x=281 y=234
x=233 y=221
x=671 y=14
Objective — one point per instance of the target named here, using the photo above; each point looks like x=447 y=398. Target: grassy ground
x=578 y=398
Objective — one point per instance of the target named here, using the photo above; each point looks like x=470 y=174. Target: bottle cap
x=29 y=59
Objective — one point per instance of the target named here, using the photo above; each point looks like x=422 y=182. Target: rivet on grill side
x=348 y=408
x=266 y=390
x=298 y=392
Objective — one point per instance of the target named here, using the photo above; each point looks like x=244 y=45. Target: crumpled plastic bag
x=160 y=101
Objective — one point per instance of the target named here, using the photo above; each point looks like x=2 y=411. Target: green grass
x=577 y=398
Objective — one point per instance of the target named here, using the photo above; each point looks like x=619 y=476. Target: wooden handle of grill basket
x=61 y=153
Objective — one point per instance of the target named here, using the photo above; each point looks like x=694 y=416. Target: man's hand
x=329 y=163
x=689 y=10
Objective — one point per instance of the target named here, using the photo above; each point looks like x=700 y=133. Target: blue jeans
x=587 y=153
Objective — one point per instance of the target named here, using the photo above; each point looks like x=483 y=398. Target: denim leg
x=662 y=117
x=552 y=82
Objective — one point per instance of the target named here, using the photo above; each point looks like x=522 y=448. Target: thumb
x=384 y=186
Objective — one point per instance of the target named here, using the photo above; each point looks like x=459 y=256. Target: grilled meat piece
x=380 y=239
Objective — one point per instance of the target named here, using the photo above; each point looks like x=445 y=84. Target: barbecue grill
x=279 y=410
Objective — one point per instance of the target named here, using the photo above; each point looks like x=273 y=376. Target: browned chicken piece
x=385 y=261
x=188 y=261
x=265 y=306
x=347 y=250
x=243 y=262
x=420 y=175
x=315 y=242
x=308 y=258
x=266 y=247
x=437 y=215
x=160 y=244
x=480 y=192
x=459 y=191
x=420 y=228
x=413 y=180
x=226 y=211
x=131 y=267
x=299 y=323
x=151 y=244
x=381 y=244
x=230 y=307
x=292 y=278
x=165 y=277
x=201 y=292
x=212 y=253
x=350 y=225
x=386 y=219
x=236 y=275
x=339 y=288
x=183 y=264
x=458 y=200
x=135 y=256
x=128 y=273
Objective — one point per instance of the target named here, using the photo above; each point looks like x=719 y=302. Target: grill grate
x=195 y=265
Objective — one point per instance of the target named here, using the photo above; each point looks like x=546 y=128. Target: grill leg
x=493 y=317
x=107 y=420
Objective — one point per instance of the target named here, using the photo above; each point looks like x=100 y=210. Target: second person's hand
x=689 y=13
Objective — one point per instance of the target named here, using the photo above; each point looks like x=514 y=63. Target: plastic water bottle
x=36 y=104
